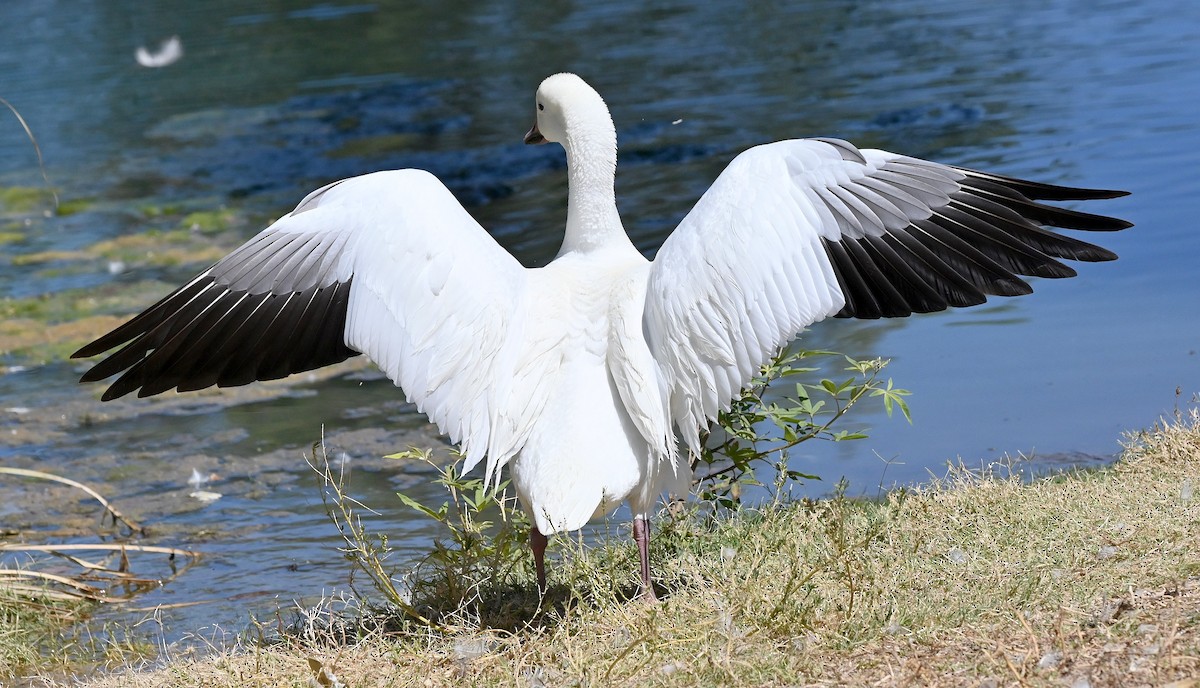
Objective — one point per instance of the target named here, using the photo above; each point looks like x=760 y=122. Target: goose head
x=567 y=109
x=571 y=113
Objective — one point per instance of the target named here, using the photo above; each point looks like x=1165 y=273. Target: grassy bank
x=1093 y=576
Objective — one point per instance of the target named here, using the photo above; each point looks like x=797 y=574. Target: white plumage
x=586 y=375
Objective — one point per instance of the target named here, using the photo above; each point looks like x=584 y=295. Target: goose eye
x=541 y=107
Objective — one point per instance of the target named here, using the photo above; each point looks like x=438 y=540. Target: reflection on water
x=269 y=102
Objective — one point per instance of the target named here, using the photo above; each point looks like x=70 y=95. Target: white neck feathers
x=591 y=146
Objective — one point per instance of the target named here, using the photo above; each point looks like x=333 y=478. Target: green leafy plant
x=757 y=431
x=484 y=548
x=486 y=536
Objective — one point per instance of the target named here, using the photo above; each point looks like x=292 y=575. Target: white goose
x=585 y=375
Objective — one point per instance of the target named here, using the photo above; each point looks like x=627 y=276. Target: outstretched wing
x=387 y=264
x=796 y=231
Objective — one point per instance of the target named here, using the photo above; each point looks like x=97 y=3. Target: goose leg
x=537 y=543
x=641 y=535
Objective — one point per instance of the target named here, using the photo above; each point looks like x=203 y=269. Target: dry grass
x=1087 y=579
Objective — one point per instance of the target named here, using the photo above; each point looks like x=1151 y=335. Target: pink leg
x=641 y=535
x=537 y=543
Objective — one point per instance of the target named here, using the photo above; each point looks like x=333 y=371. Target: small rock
x=670 y=668
x=1081 y=682
x=806 y=642
x=1107 y=552
x=956 y=556
x=728 y=554
x=1140 y=664
x=1185 y=491
x=1050 y=660
x=1111 y=610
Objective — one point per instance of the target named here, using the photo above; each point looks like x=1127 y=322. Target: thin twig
x=100 y=546
x=84 y=590
x=116 y=515
x=36 y=149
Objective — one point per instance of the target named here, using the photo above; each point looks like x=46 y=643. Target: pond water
x=271 y=100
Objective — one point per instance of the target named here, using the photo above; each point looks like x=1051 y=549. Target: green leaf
x=439 y=515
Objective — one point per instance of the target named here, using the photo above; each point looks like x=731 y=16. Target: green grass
x=975 y=580
x=33 y=634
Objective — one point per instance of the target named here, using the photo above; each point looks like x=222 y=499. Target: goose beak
x=534 y=136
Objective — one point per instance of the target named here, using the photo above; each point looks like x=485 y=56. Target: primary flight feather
x=585 y=376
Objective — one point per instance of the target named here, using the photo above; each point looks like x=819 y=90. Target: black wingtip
x=90 y=349
x=114 y=393
x=1039 y=191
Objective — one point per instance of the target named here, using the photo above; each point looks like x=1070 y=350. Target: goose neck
x=592 y=219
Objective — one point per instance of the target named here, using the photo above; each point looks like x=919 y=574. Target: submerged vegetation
x=49 y=326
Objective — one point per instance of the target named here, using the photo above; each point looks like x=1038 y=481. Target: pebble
x=1050 y=660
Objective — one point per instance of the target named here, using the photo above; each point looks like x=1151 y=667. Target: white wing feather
x=436 y=303
x=742 y=274
x=387 y=264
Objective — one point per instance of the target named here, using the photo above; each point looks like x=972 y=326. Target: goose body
x=591 y=378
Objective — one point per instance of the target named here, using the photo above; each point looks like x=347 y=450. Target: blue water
x=267 y=104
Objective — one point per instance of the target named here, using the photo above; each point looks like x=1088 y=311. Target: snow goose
x=591 y=376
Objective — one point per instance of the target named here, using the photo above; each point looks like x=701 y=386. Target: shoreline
x=1086 y=578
